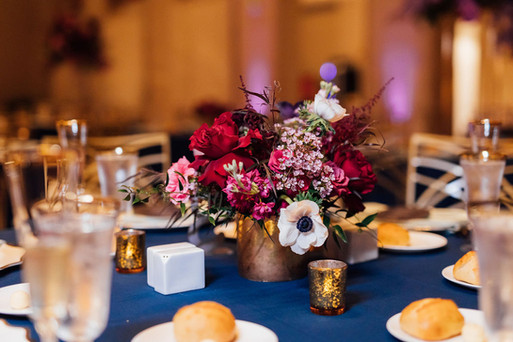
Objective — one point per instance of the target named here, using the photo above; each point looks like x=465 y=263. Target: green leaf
x=123 y=190
x=127 y=197
x=182 y=208
x=212 y=220
x=340 y=233
x=365 y=222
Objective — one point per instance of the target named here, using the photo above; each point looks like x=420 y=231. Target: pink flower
x=179 y=186
x=277 y=158
x=245 y=189
x=262 y=210
x=340 y=180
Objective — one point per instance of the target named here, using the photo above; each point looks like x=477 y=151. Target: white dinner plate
x=10 y=255
x=138 y=221
x=13 y=334
x=5 y=298
x=247 y=332
x=419 y=242
x=470 y=315
x=447 y=274
x=439 y=219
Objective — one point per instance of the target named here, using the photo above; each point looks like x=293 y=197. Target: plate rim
x=443 y=242
x=13 y=312
x=15 y=263
x=440 y=226
x=464 y=311
x=237 y=322
x=159 y=219
x=448 y=275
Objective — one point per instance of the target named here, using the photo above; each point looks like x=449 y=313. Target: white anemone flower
x=301 y=227
x=328 y=109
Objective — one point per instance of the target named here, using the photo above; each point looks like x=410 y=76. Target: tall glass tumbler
x=117 y=169
x=493 y=238
x=483 y=166
x=73 y=135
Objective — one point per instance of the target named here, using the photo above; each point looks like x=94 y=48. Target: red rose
x=220 y=145
x=218 y=140
x=361 y=177
x=214 y=171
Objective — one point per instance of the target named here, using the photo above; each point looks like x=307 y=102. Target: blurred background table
x=376 y=290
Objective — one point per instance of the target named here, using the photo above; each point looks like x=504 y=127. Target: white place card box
x=176 y=267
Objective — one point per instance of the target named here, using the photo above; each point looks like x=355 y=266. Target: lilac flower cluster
x=298 y=160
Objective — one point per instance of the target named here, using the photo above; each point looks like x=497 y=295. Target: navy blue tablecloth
x=376 y=290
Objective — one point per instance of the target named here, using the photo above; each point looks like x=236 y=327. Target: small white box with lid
x=176 y=267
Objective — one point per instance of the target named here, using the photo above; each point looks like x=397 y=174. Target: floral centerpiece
x=299 y=166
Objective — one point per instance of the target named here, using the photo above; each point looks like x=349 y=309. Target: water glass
x=493 y=238
x=117 y=169
x=73 y=135
x=484 y=135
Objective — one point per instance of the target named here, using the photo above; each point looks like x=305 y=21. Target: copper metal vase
x=261 y=257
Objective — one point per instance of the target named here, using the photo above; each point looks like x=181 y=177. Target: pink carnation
x=262 y=210
x=179 y=186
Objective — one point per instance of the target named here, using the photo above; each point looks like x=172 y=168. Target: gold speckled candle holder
x=327 y=279
x=130 y=251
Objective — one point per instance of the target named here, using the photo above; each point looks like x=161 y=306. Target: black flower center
x=304 y=224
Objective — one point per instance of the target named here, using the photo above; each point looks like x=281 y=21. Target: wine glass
x=68 y=239
x=42 y=175
x=73 y=135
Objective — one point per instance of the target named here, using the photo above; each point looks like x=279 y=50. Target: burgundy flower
x=361 y=177
x=341 y=181
x=220 y=145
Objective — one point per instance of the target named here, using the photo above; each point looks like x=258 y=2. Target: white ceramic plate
x=447 y=274
x=138 y=221
x=10 y=255
x=248 y=332
x=5 y=297
x=439 y=219
x=393 y=327
x=419 y=242
x=13 y=334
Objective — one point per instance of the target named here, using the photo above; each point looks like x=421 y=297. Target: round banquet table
x=376 y=290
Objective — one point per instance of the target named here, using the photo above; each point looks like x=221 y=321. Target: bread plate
x=10 y=256
x=439 y=219
x=394 y=328
x=419 y=242
x=5 y=298
x=247 y=332
x=13 y=334
x=447 y=274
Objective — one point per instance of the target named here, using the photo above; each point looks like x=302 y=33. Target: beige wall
x=167 y=56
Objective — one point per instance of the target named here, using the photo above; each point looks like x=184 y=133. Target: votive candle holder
x=130 y=251
x=327 y=282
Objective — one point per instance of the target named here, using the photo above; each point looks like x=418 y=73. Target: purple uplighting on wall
x=400 y=62
x=257 y=78
x=328 y=71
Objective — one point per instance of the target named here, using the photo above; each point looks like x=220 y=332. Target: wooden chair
x=153 y=149
x=434 y=176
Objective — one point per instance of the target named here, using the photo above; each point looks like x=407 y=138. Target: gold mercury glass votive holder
x=327 y=279
x=130 y=251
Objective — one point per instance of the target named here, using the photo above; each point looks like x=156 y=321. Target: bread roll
x=391 y=234
x=19 y=300
x=204 y=321
x=432 y=319
x=467 y=268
